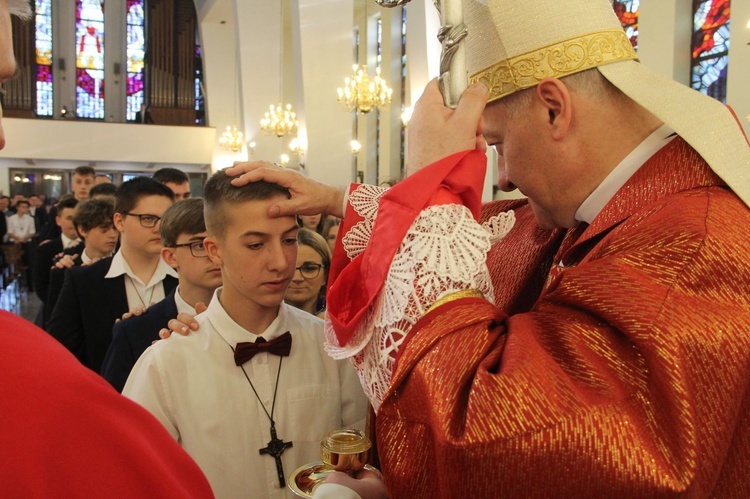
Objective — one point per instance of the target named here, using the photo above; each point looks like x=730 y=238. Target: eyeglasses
x=309 y=270
x=197 y=249
x=147 y=221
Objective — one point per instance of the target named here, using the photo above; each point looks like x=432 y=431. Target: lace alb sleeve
x=444 y=251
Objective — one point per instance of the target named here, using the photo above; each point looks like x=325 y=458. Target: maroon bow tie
x=277 y=346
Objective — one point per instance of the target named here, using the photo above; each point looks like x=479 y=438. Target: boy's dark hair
x=172 y=175
x=84 y=171
x=130 y=192
x=94 y=213
x=219 y=193
x=183 y=217
x=67 y=202
x=103 y=190
x=23 y=201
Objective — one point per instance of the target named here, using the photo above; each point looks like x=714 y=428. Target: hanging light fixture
x=279 y=120
x=362 y=93
x=231 y=139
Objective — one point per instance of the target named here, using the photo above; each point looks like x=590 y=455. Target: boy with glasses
x=182 y=231
x=94 y=296
x=252 y=392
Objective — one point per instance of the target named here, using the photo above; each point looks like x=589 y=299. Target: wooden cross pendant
x=276 y=448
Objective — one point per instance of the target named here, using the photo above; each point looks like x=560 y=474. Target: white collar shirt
x=140 y=294
x=68 y=242
x=181 y=304
x=192 y=385
x=21 y=226
x=612 y=183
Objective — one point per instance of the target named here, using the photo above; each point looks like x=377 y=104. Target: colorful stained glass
x=627 y=12
x=136 y=52
x=200 y=103
x=710 y=47
x=90 y=59
x=43 y=44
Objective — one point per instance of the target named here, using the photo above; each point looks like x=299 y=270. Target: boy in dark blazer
x=182 y=232
x=93 y=222
x=47 y=250
x=94 y=296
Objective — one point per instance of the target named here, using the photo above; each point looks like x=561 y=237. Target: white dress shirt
x=140 y=294
x=21 y=226
x=192 y=385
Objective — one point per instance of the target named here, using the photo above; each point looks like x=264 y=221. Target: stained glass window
x=135 y=52
x=710 y=48
x=627 y=12
x=200 y=104
x=43 y=25
x=90 y=59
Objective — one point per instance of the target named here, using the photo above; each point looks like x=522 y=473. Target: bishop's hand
x=309 y=197
x=436 y=131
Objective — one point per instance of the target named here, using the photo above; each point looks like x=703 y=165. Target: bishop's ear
x=555 y=98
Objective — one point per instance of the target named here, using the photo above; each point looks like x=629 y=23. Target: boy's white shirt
x=192 y=385
x=21 y=226
x=181 y=304
x=140 y=293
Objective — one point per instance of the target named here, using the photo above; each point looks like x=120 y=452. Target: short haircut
x=317 y=242
x=103 y=190
x=130 y=192
x=94 y=213
x=183 y=217
x=22 y=201
x=67 y=202
x=84 y=171
x=172 y=175
x=220 y=193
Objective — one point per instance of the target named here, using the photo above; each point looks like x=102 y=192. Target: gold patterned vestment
x=628 y=376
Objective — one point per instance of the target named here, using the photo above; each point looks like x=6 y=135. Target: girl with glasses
x=307 y=290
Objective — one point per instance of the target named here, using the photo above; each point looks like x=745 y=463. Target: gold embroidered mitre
x=513 y=45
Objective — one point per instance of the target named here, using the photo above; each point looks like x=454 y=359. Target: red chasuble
x=628 y=377
x=65 y=432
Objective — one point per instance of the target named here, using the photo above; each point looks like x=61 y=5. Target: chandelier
x=279 y=120
x=231 y=139
x=362 y=93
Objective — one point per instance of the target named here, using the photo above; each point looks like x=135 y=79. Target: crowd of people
x=590 y=340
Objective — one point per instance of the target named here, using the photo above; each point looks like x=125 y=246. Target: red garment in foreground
x=65 y=432
x=629 y=376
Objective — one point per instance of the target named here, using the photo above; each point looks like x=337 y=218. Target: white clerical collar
x=120 y=266
x=598 y=199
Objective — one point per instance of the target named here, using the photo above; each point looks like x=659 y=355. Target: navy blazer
x=87 y=308
x=42 y=264
x=131 y=337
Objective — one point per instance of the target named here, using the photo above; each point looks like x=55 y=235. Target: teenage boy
x=94 y=296
x=175 y=179
x=182 y=233
x=81 y=181
x=47 y=250
x=251 y=393
x=21 y=231
x=93 y=222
